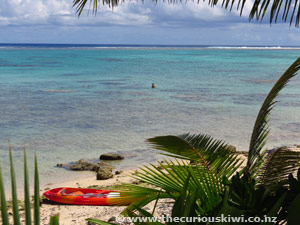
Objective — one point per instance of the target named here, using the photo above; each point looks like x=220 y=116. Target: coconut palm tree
x=276 y=10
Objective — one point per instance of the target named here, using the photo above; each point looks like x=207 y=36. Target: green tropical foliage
x=254 y=200
x=279 y=164
x=290 y=207
x=27 y=203
x=212 y=161
x=261 y=127
x=277 y=10
x=185 y=206
x=202 y=170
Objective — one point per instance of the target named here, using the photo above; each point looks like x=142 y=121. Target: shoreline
x=91 y=180
x=77 y=214
x=74 y=214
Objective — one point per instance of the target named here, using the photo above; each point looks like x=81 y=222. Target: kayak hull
x=82 y=196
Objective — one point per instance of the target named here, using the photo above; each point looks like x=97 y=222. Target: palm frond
x=4 y=211
x=81 y=4
x=16 y=215
x=261 y=128
x=54 y=220
x=279 y=164
x=169 y=182
x=293 y=216
x=134 y=193
x=26 y=192
x=36 y=208
x=212 y=154
x=287 y=11
x=172 y=177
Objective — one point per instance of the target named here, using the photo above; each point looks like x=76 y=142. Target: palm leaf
x=212 y=154
x=54 y=220
x=171 y=180
x=81 y=4
x=226 y=209
x=261 y=129
x=293 y=216
x=26 y=193
x=279 y=164
x=16 y=215
x=289 y=10
x=132 y=193
x=36 y=193
x=4 y=214
x=273 y=213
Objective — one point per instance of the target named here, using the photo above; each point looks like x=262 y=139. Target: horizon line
x=150 y=45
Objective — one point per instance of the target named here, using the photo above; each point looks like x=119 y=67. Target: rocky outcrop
x=104 y=173
x=111 y=156
x=103 y=170
x=83 y=165
x=76 y=167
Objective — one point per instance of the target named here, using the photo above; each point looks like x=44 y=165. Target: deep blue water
x=67 y=102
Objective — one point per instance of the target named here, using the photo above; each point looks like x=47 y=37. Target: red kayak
x=81 y=196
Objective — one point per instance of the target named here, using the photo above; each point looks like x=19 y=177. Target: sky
x=135 y=22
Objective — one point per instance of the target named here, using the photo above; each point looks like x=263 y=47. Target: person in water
x=153 y=85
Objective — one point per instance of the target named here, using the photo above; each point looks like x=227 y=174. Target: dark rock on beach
x=244 y=153
x=118 y=172
x=111 y=156
x=112 y=219
x=61 y=165
x=231 y=148
x=104 y=173
x=103 y=170
x=83 y=165
x=76 y=167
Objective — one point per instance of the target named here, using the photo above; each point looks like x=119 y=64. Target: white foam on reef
x=148 y=47
x=255 y=47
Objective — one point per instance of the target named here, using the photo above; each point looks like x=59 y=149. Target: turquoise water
x=71 y=103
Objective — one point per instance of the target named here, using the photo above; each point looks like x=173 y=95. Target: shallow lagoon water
x=71 y=103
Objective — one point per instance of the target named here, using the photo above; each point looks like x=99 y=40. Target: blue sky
x=55 y=21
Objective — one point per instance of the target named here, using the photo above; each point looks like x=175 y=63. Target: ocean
x=71 y=102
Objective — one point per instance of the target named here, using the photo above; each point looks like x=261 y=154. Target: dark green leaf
x=16 y=215
x=293 y=215
x=261 y=129
x=54 y=220
x=26 y=193
x=36 y=194
x=98 y=222
x=279 y=164
x=4 y=214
